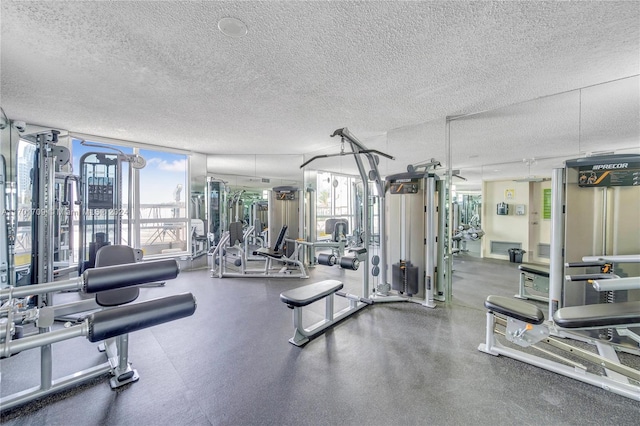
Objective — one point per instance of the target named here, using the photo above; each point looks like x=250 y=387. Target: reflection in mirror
x=513 y=148
x=198 y=213
x=7 y=203
x=509 y=154
x=216 y=206
x=22 y=243
x=466 y=212
x=240 y=187
x=256 y=172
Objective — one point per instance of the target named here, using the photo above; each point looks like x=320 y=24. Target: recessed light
x=232 y=27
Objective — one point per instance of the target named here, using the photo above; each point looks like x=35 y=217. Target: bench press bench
x=300 y=297
x=277 y=253
x=525 y=326
x=535 y=277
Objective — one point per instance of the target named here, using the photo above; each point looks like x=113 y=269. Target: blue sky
x=163 y=172
x=158 y=179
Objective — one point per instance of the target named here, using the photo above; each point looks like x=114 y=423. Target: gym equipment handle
x=587 y=277
x=355 y=297
x=585 y=264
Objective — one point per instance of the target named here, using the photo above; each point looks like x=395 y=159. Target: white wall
x=539 y=228
x=529 y=229
x=512 y=228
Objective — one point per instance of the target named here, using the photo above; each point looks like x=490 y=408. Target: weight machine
x=4 y=240
x=48 y=159
x=285 y=209
x=236 y=206
x=233 y=256
x=368 y=175
x=101 y=199
x=23 y=327
x=216 y=206
x=601 y=219
x=414 y=220
x=259 y=219
x=595 y=240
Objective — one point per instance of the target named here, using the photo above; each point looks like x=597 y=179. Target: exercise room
x=319 y=213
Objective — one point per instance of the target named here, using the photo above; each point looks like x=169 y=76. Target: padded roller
x=326 y=259
x=125 y=319
x=349 y=263
x=119 y=276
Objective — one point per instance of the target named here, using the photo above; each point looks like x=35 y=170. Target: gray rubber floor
x=390 y=364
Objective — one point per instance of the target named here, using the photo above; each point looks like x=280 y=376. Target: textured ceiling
x=160 y=72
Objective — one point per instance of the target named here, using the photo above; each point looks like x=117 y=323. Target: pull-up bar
x=344 y=133
x=372 y=174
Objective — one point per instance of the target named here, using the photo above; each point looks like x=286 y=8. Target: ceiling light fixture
x=232 y=27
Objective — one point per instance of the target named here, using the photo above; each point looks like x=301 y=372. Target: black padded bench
x=525 y=327
x=602 y=315
x=275 y=252
x=517 y=309
x=300 y=297
x=303 y=296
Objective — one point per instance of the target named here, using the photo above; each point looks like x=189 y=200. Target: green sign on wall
x=546 y=203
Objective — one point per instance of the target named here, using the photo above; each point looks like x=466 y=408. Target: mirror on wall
x=7 y=201
x=255 y=172
x=197 y=204
x=508 y=155
x=245 y=180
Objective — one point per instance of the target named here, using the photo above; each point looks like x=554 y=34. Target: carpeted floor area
x=390 y=364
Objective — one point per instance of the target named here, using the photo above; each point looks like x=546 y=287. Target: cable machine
x=100 y=223
x=413 y=222
x=102 y=212
x=48 y=159
x=594 y=230
x=259 y=215
x=4 y=240
x=285 y=209
x=216 y=205
x=368 y=175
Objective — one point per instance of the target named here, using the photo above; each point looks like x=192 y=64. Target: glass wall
x=7 y=202
x=335 y=200
x=23 y=185
x=150 y=200
x=163 y=203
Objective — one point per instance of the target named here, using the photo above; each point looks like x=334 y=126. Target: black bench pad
x=303 y=296
x=598 y=315
x=269 y=253
x=514 y=308
x=535 y=269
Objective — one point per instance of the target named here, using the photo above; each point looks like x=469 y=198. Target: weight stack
x=405 y=278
